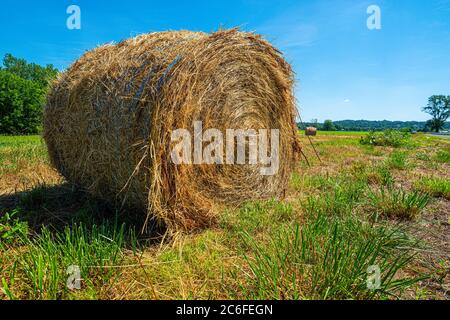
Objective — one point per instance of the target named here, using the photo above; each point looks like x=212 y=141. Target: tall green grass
x=398 y=160
x=324 y=258
x=392 y=202
x=41 y=267
x=325 y=252
x=443 y=156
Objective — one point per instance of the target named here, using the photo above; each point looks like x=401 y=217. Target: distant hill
x=367 y=125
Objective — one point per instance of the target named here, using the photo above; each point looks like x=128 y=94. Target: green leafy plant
x=12 y=230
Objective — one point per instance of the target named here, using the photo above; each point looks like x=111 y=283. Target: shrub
x=391 y=138
x=21 y=104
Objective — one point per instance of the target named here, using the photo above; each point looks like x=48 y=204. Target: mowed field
x=356 y=211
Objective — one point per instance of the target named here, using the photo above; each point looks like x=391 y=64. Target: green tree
x=23 y=87
x=29 y=71
x=439 y=108
x=21 y=104
x=328 y=126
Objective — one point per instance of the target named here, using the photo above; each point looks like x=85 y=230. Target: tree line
x=438 y=107
x=368 y=125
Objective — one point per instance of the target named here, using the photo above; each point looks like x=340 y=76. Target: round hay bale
x=109 y=118
x=311 y=131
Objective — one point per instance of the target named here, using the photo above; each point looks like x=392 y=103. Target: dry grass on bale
x=109 y=118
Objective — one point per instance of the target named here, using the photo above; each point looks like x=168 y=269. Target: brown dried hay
x=311 y=131
x=109 y=118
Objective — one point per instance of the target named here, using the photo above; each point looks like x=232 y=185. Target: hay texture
x=109 y=118
x=311 y=131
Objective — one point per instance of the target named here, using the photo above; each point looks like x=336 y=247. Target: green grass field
x=357 y=211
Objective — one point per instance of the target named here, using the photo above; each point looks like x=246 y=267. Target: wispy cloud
x=301 y=35
x=443 y=5
x=290 y=29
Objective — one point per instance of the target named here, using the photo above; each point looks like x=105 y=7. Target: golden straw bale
x=109 y=118
x=311 y=131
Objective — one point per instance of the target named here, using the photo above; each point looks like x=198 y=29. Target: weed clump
x=398 y=160
x=390 y=202
x=435 y=187
x=388 y=138
x=443 y=156
x=12 y=230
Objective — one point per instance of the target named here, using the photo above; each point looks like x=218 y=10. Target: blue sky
x=343 y=69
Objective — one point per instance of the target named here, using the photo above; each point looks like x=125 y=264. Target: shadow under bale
x=60 y=206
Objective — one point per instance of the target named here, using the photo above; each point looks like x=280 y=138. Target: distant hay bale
x=311 y=131
x=109 y=118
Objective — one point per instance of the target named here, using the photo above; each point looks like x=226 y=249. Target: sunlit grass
x=20 y=151
x=339 y=219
